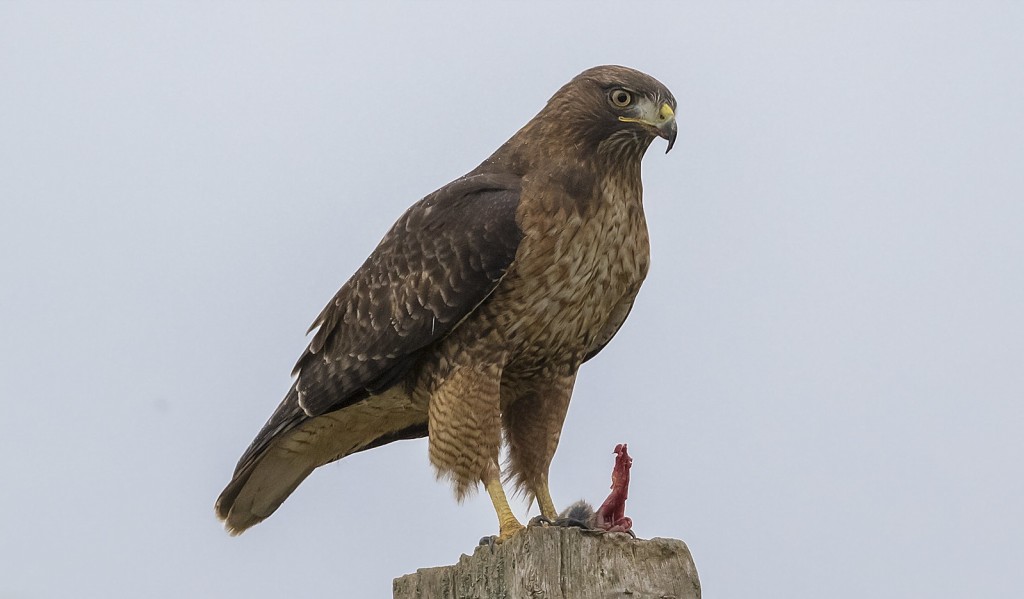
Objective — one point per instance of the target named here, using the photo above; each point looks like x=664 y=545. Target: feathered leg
x=465 y=434
x=533 y=421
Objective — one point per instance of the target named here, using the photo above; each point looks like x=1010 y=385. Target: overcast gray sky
x=821 y=382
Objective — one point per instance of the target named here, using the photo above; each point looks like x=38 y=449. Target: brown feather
x=474 y=313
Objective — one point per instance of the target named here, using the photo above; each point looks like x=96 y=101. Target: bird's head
x=617 y=109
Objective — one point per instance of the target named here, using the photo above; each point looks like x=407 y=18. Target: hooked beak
x=661 y=119
x=667 y=128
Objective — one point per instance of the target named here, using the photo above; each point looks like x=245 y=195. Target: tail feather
x=257 y=491
x=262 y=484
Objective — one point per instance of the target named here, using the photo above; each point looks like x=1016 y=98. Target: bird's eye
x=621 y=98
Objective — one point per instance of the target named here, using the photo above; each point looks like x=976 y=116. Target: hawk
x=469 y=321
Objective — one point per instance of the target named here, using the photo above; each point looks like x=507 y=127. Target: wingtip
x=224 y=512
x=231 y=526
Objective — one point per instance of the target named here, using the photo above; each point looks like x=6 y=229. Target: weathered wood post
x=562 y=563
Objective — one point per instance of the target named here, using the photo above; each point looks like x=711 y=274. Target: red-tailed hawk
x=473 y=315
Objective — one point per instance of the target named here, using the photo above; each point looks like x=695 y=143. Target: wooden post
x=562 y=563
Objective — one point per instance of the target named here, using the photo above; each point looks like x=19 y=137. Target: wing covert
x=440 y=260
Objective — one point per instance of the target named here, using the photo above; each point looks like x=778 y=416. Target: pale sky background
x=822 y=382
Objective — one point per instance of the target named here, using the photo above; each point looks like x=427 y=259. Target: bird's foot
x=508 y=530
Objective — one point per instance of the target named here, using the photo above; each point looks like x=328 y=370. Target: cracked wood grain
x=562 y=563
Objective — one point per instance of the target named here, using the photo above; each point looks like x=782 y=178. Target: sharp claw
x=540 y=521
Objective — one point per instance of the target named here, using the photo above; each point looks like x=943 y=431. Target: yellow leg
x=507 y=522
x=547 y=507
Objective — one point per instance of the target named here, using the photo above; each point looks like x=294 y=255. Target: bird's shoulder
x=439 y=261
